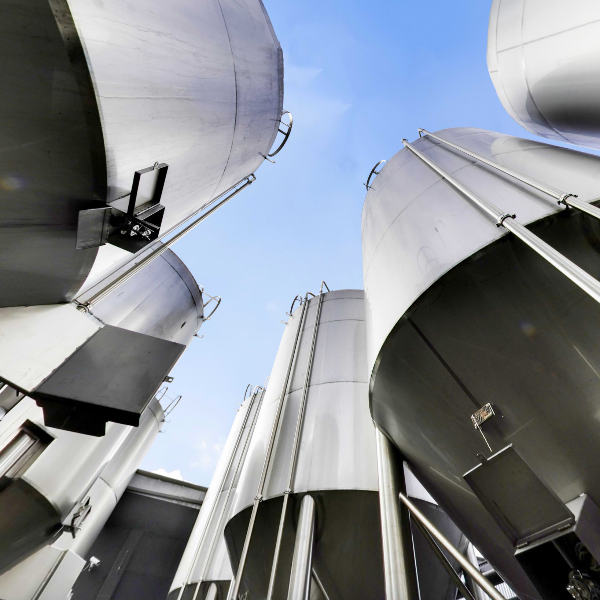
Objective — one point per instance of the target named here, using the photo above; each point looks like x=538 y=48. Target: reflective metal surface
x=303 y=549
x=95 y=92
x=336 y=425
x=72 y=467
x=467 y=566
x=162 y=300
x=205 y=557
x=461 y=316
x=398 y=552
x=542 y=58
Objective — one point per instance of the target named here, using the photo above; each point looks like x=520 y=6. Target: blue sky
x=359 y=76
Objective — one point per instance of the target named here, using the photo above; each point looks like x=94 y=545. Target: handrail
x=225 y=507
x=298 y=297
x=237 y=580
x=212 y=312
x=466 y=565
x=565 y=198
x=286 y=134
x=296 y=443
x=373 y=172
x=577 y=275
x=113 y=285
x=214 y=505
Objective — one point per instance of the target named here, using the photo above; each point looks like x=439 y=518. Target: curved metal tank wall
x=205 y=560
x=337 y=462
x=37 y=504
x=94 y=92
x=107 y=380
x=543 y=60
x=162 y=300
x=460 y=314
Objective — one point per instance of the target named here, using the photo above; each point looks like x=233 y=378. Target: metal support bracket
x=503 y=218
x=563 y=199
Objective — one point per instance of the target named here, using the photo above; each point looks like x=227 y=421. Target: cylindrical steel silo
x=59 y=489
x=482 y=297
x=543 y=61
x=314 y=454
x=121 y=121
x=205 y=561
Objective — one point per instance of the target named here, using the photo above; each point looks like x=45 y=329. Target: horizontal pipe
x=568 y=268
x=466 y=565
x=565 y=198
x=111 y=287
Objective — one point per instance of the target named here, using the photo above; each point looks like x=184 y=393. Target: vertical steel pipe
x=212 y=592
x=296 y=444
x=302 y=562
x=398 y=554
x=267 y=460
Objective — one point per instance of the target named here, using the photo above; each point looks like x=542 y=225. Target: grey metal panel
x=112 y=377
x=542 y=60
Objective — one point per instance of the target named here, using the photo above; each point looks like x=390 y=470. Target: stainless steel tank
x=86 y=368
x=542 y=58
x=477 y=340
x=205 y=562
x=120 y=121
x=58 y=490
x=322 y=466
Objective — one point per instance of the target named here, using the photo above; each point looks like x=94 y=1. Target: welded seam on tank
x=330 y=383
x=384 y=233
x=444 y=364
x=529 y=94
x=236 y=101
x=550 y=35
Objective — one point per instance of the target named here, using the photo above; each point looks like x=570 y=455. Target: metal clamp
x=286 y=134
x=503 y=217
x=373 y=172
x=563 y=199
